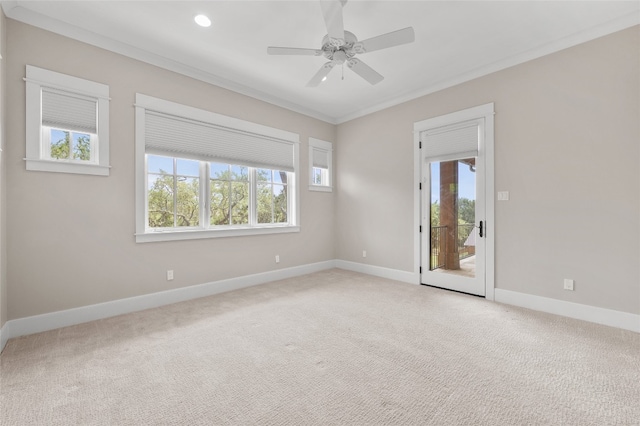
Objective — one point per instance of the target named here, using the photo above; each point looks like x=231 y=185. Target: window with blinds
x=67 y=123
x=200 y=174
x=320 y=165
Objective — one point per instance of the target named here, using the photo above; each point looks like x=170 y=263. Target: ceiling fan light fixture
x=202 y=20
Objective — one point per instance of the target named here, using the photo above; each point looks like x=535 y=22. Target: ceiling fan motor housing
x=340 y=50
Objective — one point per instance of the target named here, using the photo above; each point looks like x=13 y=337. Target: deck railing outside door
x=438 y=244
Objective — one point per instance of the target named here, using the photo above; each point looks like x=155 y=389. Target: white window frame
x=327 y=174
x=37 y=136
x=145 y=234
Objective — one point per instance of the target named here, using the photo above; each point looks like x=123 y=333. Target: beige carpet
x=331 y=348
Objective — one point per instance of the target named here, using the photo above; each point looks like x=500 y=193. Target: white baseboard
x=378 y=271
x=54 y=320
x=563 y=308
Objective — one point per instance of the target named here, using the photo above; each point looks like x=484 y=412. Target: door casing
x=486 y=113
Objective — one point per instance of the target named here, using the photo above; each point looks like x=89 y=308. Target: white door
x=453 y=203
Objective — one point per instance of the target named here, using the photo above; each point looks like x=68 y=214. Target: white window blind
x=179 y=136
x=69 y=111
x=320 y=158
x=460 y=140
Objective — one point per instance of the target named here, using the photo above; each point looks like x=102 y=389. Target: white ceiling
x=455 y=42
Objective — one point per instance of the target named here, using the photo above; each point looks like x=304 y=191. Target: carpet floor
x=330 y=348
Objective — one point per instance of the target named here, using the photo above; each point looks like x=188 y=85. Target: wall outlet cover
x=568 y=284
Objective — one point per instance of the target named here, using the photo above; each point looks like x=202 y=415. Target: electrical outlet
x=170 y=275
x=568 y=284
x=277 y=258
x=364 y=253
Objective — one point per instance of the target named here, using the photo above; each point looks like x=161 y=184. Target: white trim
x=34 y=164
x=485 y=112
x=50 y=321
x=379 y=271
x=197 y=234
x=67 y=83
x=54 y=320
x=619 y=319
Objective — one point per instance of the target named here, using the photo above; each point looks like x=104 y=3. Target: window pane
x=60 y=144
x=219 y=203
x=279 y=177
x=158 y=164
x=188 y=211
x=264 y=175
x=160 y=201
x=81 y=146
x=240 y=173
x=219 y=171
x=280 y=204
x=240 y=203
x=317 y=176
x=265 y=203
x=188 y=167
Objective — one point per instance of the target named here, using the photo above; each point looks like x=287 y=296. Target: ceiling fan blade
x=320 y=75
x=271 y=50
x=364 y=71
x=395 y=38
x=332 y=13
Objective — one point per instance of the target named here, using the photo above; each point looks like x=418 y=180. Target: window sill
x=320 y=188
x=197 y=234
x=39 y=165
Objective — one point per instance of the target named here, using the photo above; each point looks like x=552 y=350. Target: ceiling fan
x=340 y=46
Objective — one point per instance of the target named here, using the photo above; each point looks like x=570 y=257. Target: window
x=320 y=153
x=67 y=123
x=202 y=175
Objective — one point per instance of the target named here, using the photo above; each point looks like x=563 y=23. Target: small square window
x=67 y=126
x=320 y=165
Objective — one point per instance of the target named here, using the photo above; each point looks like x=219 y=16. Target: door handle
x=481 y=232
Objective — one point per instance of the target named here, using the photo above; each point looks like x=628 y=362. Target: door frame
x=485 y=112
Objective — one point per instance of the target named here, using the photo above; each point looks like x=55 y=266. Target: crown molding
x=14 y=11
x=593 y=33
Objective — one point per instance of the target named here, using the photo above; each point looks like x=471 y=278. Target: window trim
x=36 y=159
x=143 y=235
x=327 y=147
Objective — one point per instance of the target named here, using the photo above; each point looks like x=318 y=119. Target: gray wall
x=567 y=148
x=71 y=237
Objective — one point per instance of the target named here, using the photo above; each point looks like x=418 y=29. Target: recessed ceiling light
x=324 y=78
x=202 y=20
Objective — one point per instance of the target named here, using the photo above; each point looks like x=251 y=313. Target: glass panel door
x=452 y=248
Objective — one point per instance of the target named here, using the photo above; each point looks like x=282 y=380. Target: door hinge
x=421 y=269
x=420 y=228
x=420 y=186
x=419 y=144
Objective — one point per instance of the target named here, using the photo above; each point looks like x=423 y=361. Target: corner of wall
x=3 y=185
x=3 y=182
